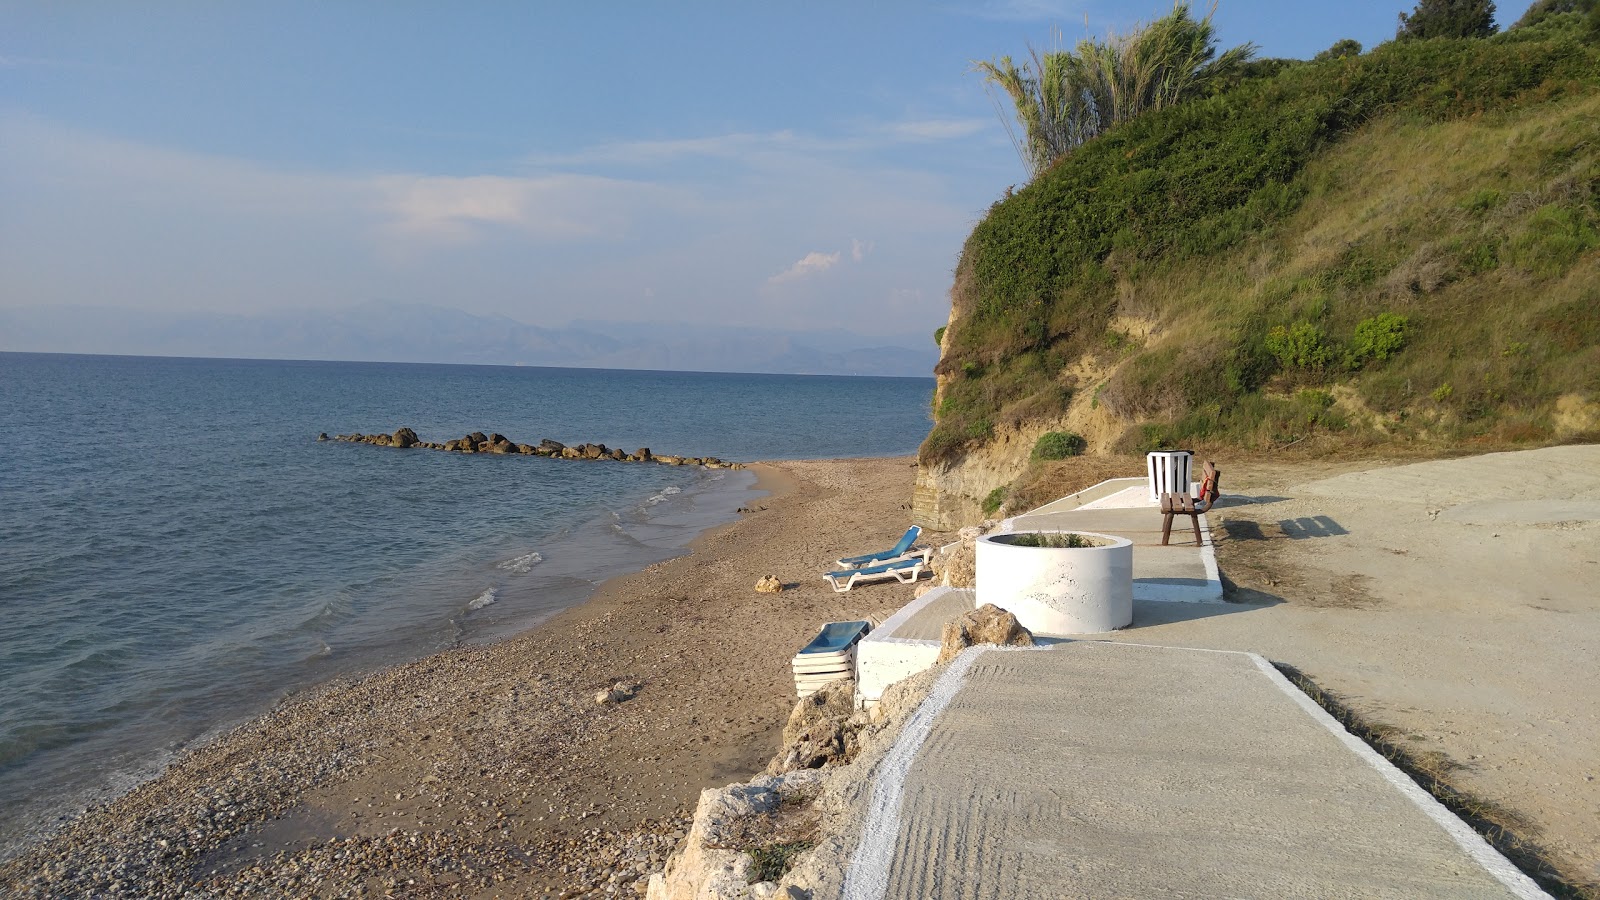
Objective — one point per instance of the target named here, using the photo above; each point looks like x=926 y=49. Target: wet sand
x=492 y=771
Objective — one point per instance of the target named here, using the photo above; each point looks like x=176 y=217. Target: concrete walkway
x=1091 y=769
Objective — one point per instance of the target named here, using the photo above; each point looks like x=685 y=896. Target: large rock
x=550 y=447
x=769 y=584
x=477 y=437
x=988 y=624
x=403 y=438
x=593 y=451
x=958 y=567
x=821 y=729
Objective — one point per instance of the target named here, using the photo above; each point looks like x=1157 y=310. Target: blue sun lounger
x=898 y=550
x=904 y=570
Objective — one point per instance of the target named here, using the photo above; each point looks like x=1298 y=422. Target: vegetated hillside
x=1402 y=246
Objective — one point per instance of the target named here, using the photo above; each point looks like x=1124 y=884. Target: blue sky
x=785 y=165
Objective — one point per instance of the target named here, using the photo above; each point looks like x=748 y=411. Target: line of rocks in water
x=496 y=443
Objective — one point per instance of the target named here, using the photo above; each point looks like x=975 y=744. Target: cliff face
x=1401 y=247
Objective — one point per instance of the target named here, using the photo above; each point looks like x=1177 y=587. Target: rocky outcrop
x=988 y=624
x=950 y=493
x=499 y=444
x=804 y=815
x=821 y=730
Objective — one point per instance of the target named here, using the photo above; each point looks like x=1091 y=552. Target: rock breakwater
x=496 y=443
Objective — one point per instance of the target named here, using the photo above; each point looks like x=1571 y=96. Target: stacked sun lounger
x=831 y=655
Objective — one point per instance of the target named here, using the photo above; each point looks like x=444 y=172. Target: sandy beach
x=492 y=771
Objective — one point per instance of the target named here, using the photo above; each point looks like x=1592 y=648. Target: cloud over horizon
x=812 y=263
x=172 y=229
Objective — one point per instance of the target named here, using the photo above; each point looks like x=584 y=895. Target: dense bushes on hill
x=1371 y=228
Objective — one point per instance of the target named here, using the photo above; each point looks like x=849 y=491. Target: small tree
x=1064 y=98
x=1340 y=50
x=1448 y=19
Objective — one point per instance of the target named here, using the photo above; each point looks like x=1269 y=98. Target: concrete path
x=1092 y=769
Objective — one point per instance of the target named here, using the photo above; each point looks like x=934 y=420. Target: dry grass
x=1045 y=481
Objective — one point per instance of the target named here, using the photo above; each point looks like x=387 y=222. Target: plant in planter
x=1058 y=582
x=1069 y=540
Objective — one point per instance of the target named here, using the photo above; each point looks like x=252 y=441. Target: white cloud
x=755 y=147
x=859 y=250
x=812 y=263
x=1025 y=10
x=550 y=207
x=929 y=130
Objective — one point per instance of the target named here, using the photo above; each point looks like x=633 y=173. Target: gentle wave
x=484 y=599
x=664 y=494
x=521 y=565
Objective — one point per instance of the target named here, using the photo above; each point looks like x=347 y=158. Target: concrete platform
x=1092 y=769
x=907 y=642
x=1178 y=572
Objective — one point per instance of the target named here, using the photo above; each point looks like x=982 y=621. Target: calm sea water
x=177 y=551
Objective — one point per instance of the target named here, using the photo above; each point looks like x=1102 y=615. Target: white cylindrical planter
x=1076 y=590
x=1169 y=472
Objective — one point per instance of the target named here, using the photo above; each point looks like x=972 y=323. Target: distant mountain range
x=396 y=332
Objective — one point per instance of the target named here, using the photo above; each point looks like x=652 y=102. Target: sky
x=791 y=165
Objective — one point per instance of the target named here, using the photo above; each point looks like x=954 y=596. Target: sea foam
x=488 y=596
x=521 y=565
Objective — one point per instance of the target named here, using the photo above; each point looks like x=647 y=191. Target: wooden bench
x=1175 y=504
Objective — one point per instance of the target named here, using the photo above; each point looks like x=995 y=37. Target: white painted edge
x=1208 y=555
x=867 y=876
x=1470 y=841
x=1138 y=480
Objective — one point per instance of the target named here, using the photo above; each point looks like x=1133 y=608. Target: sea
x=178 y=552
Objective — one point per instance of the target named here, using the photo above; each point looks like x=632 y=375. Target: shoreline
x=491 y=764
x=579 y=576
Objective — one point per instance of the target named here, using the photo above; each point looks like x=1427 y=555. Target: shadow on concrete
x=1150 y=613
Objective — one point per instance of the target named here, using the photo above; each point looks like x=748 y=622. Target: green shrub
x=773 y=861
x=1054 y=541
x=938 y=334
x=1300 y=346
x=1377 y=339
x=1059 y=445
x=992 y=502
x=1554 y=238
x=1483 y=200
x=1448 y=19
x=1339 y=50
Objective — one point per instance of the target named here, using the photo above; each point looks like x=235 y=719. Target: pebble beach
x=496 y=770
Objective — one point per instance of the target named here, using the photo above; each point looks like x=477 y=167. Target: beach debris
x=617 y=693
x=769 y=584
x=496 y=443
x=988 y=624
